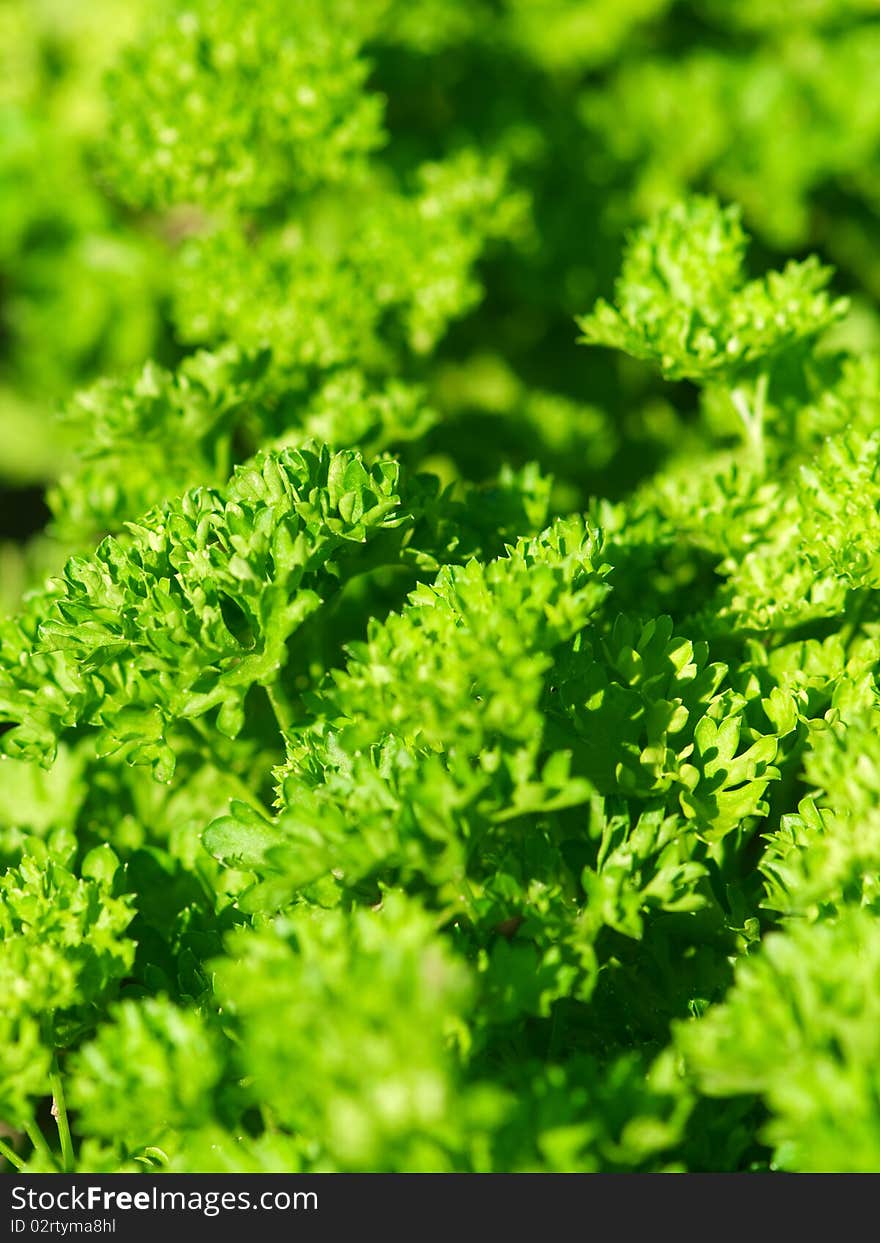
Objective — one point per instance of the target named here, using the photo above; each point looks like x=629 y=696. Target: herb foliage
x=440 y=719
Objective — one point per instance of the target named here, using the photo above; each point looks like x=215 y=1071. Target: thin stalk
x=68 y=1157
x=12 y=1157
x=556 y=1032
x=280 y=706
x=39 y=1141
x=752 y=413
x=760 y=408
x=223 y=457
x=206 y=749
x=849 y=633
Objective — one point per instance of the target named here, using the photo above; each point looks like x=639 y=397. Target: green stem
x=38 y=1139
x=752 y=415
x=857 y=601
x=223 y=458
x=761 y=389
x=68 y=1157
x=12 y=1157
x=556 y=1031
x=207 y=751
x=280 y=706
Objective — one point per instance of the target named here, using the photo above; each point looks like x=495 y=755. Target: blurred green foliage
x=352 y=225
